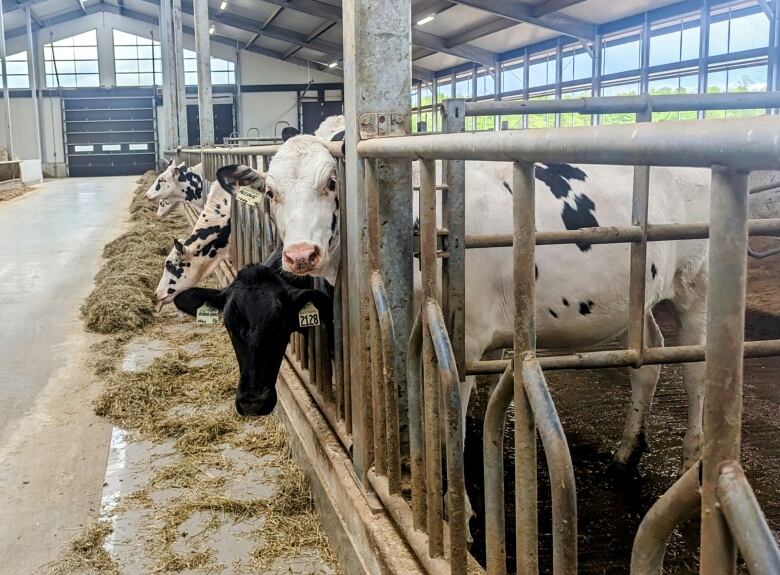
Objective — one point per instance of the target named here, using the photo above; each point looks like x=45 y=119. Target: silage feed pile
x=182 y=401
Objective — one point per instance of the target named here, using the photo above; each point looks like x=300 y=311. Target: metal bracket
x=381 y=125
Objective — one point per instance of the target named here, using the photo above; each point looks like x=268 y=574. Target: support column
x=31 y=72
x=178 y=55
x=203 y=51
x=704 y=48
x=6 y=97
x=379 y=82
x=167 y=49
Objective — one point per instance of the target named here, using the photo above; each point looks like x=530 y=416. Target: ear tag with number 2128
x=207 y=315
x=308 y=316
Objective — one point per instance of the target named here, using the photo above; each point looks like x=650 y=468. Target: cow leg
x=692 y=320
x=643 y=382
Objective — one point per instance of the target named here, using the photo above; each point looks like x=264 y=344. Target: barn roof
x=309 y=31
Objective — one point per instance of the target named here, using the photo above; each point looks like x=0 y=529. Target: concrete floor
x=52 y=447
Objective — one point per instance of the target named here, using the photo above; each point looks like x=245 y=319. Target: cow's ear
x=191 y=299
x=178 y=246
x=182 y=165
x=237 y=175
x=300 y=297
x=289 y=132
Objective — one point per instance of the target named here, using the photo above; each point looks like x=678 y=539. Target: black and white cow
x=192 y=260
x=260 y=311
x=178 y=184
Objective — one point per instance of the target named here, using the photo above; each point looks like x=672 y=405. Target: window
x=72 y=62
x=463 y=86
x=137 y=60
x=573 y=119
x=621 y=53
x=541 y=72
x=511 y=78
x=738 y=28
x=137 y=147
x=16 y=70
x=485 y=84
x=112 y=147
x=83 y=148
x=541 y=120
x=576 y=64
x=746 y=79
x=674 y=42
x=444 y=91
x=222 y=71
x=687 y=84
x=631 y=89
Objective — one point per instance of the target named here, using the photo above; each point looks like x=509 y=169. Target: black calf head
x=260 y=311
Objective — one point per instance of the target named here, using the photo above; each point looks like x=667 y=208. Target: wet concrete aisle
x=52 y=448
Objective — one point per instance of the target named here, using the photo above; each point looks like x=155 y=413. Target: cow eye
x=332 y=184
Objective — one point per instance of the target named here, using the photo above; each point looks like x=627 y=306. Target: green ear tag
x=249 y=196
x=308 y=316
x=207 y=315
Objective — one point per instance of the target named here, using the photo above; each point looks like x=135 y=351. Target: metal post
x=167 y=49
x=558 y=78
x=178 y=56
x=526 y=79
x=725 y=336
x=596 y=90
x=378 y=82
x=453 y=219
x=645 y=60
x=31 y=72
x=203 y=52
x=525 y=342
x=6 y=96
x=704 y=48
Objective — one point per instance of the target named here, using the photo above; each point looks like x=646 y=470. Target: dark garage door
x=110 y=132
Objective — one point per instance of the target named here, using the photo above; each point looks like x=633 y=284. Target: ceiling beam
x=81 y=3
x=11 y=5
x=268 y=20
x=311 y=7
x=471 y=53
x=490 y=27
x=428 y=7
x=319 y=31
x=522 y=12
x=422 y=74
x=549 y=6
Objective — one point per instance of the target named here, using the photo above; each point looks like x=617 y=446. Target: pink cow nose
x=301 y=258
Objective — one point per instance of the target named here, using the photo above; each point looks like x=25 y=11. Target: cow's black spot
x=507 y=186
x=171 y=290
x=194 y=189
x=536 y=272
x=333 y=223
x=337 y=202
x=214 y=239
x=581 y=216
x=338 y=136
x=158 y=186
x=552 y=313
x=558 y=176
x=565 y=302
x=653 y=271
x=173 y=268
x=172 y=282
x=585 y=307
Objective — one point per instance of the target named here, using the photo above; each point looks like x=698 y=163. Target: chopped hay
x=14 y=192
x=123 y=297
x=85 y=555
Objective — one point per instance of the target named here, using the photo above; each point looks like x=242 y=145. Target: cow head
x=164 y=207
x=165 y=184
x=260 y=311
x=301 y=183
x=177 y=184
x=182 y=270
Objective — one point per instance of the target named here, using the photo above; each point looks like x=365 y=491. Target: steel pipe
x=747 y=522
x=676 y=505
x=627 y=104
x=621 y=234
x=416 y=419
x=523 y=254
x=456 y=483
x=745 y=143
x=625 y=357
x=390 y=403
x=725 y=334
x=493 y=468
x=559 y=464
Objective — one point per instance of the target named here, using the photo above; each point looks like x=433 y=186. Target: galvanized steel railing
x=731 y=147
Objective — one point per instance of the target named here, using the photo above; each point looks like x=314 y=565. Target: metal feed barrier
x=372 y=427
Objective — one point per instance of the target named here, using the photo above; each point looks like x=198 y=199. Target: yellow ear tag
x=250 y=196
x=207 y=315
x=308 y=316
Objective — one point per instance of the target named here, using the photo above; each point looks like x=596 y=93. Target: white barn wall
x=256 y=109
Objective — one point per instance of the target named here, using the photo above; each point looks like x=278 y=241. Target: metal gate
x=369 y=428
x=109 y=132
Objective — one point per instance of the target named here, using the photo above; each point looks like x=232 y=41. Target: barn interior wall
x=257 y=109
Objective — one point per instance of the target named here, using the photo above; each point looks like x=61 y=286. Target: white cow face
x=167 y=184
x=165 y=207
x=179 y=273
x=301 y=183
